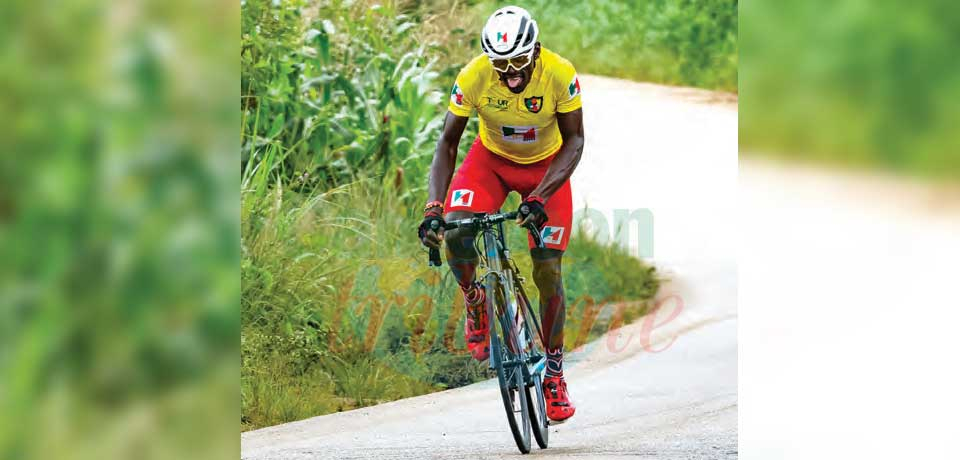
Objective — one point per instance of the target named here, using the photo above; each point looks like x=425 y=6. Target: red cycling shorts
x=484 y=180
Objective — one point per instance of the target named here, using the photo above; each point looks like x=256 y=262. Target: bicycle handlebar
x=478 y=220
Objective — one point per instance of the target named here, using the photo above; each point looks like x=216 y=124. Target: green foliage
x=118 y=230
x=854 y=83
x=341 y=111
x=683 y=42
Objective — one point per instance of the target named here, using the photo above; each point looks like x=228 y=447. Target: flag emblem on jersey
x=521 y=134
x=533 y=103
x=574 y=88
x=551 y=235
x=456 y=96
x=462 y=197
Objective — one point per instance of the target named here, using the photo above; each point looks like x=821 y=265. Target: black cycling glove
x=428 y=236
x=532 y=211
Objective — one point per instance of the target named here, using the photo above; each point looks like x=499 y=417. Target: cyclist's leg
x=547 y=270
x=547 y=275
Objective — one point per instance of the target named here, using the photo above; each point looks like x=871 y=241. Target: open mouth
x=513 y=81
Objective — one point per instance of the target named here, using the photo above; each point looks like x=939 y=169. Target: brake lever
x=534 y=231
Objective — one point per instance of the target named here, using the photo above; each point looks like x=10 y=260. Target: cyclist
x=531 y=139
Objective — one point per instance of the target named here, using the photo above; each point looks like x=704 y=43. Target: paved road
x=664 y=387
x=846 y=352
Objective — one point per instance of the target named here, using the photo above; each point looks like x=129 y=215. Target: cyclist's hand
x=428 y=236
x=532 y=211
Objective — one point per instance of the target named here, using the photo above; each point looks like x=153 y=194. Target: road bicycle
x=516 y=339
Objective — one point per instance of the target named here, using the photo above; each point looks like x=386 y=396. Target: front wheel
x=538 y=408
x=509 y=366
x=535 y=397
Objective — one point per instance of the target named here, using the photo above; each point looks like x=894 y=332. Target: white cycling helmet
x=510 y=32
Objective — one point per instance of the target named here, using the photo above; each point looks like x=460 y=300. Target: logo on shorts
x=519 y=134
x=534 y=103
x=462 y=197
x=551 y=235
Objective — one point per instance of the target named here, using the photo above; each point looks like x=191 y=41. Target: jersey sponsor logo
x=574 y=87
x=456 y=95
x=497 y=104
x=551 y=235
x=519 y=134
x=534 y=104
x=462 y=197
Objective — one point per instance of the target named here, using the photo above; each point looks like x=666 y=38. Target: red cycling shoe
x=559 y=406
x=476 y=328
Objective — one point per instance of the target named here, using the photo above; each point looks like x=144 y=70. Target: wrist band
x=433 y=204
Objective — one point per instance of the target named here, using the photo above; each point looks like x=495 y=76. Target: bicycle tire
x=538 y=408
x=537 y=401
x=511 y=380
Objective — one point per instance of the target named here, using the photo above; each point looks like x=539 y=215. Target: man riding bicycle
x=531 y=139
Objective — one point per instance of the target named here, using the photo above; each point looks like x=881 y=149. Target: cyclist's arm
x=571 y=130
x=445 y=158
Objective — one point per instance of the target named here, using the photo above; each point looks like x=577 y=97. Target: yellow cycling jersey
x=519 y=127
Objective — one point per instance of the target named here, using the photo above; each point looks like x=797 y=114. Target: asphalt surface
x=845 y=352
x=663 y=387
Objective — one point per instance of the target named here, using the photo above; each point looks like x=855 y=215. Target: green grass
x=341 y=112
x=679 y=42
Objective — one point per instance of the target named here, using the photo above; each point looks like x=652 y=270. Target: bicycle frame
x=495 y=253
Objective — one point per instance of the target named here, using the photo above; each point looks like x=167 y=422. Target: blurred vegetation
x=678 y=42
x=118 y=230
x=853 y=83
x=341 y=108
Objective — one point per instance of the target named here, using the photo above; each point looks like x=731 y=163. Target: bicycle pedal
x=554 y=422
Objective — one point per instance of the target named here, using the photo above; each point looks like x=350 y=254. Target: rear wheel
x=509 y=365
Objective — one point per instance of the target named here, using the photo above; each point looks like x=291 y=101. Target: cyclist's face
x=517 y=80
